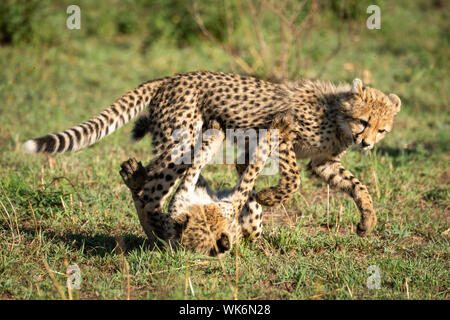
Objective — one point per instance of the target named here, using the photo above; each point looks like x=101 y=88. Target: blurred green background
x=275 y=40
x=72 y=208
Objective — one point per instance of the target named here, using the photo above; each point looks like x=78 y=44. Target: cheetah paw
x=267 y=197
x=133 y=174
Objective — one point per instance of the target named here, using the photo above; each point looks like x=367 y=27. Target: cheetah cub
x=328 y=120
x=204 y=221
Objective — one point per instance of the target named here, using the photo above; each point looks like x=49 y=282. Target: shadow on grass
x=396 y=152
x=417 y=148
x=104 y=244
x=101 y=245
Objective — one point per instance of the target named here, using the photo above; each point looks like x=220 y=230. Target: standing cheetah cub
x=204 y=221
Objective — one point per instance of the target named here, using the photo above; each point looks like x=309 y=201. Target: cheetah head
x=205 y=230
x=368 y=114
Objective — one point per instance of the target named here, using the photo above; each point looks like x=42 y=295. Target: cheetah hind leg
x=289 y=181
x=250 y=218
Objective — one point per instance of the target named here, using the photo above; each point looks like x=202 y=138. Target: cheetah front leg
x=332 y=172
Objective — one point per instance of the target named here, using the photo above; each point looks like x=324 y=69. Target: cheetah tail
x=98 y=127
x=141 y=127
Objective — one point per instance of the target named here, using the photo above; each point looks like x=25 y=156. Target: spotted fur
x=328 y=120
x=202 y=220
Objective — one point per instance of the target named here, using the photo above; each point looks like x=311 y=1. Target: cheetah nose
x=364 y=144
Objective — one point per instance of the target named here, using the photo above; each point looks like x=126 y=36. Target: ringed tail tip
x=29 y=146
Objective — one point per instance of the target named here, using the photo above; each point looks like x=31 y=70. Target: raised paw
x=133 y=174
x=274 y=196
x=266 y=197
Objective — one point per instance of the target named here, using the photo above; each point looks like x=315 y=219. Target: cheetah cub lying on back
x=204 y=221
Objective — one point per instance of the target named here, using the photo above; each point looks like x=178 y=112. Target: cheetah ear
x=357 y=87
x=396 y=101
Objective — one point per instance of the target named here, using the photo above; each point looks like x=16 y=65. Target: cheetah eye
x=382 y=131
x=363 y=122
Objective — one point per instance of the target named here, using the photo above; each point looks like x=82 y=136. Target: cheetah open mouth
x=365 y=146
x=360 y=146
x=223 y=244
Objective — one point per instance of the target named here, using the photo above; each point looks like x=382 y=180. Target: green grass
x=74 y=208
